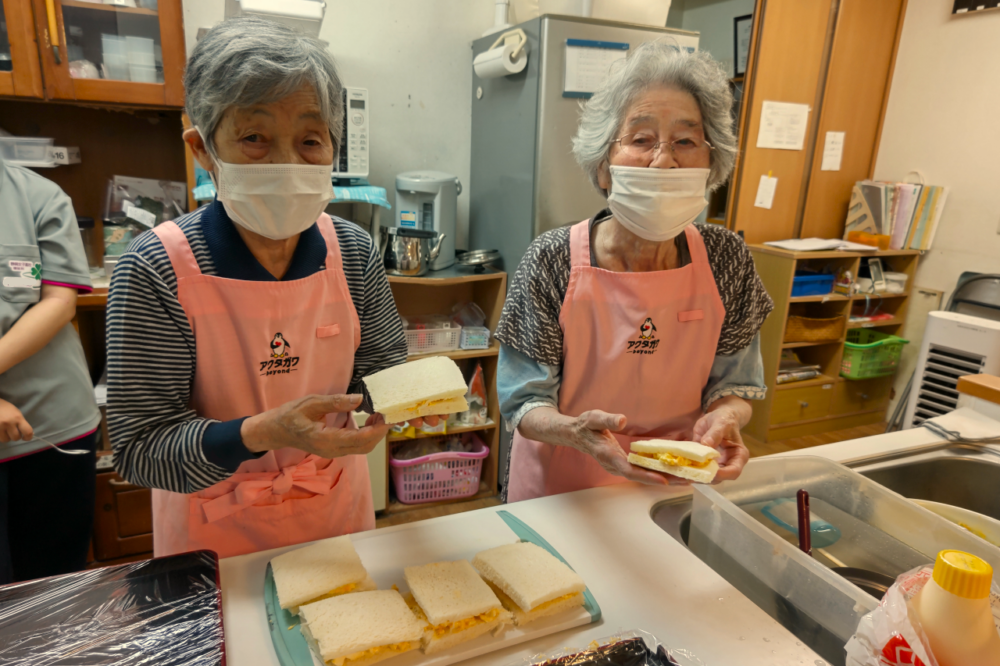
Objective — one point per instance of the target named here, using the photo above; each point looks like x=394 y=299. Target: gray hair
x=650 y=65
x=246 y=61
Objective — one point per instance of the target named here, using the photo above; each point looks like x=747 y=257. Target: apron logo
x=645 y=344
x=280 y=362
x=30 y=275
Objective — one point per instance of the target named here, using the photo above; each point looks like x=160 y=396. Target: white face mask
x=274 y=200
x=657 y=204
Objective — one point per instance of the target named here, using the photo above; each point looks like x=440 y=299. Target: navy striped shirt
x=158 y=440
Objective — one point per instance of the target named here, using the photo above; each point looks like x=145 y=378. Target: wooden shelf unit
x=80 y=4
x=828 y=402
x=437 y=295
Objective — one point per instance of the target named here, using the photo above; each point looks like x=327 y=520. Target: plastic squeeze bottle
x=954 y=610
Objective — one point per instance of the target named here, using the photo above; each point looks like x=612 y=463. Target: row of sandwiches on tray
x=348 y=622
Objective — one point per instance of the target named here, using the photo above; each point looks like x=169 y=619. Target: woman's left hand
x=720 y=429
x=378 y=419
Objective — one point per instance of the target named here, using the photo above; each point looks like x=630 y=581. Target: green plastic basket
x=869 y=353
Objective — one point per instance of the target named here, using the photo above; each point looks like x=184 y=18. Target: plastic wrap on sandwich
x=165 y=611
x=626 y=648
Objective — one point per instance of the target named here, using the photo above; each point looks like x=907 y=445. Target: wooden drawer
x=123 y=520
x=861 y=396
x=803 y=404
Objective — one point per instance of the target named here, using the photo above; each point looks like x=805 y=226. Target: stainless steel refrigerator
x=524 y=180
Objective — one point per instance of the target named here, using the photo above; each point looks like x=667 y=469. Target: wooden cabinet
x=827 y=402
x=437 y=295
x=20 y=72
x=87 y=51
x=138 y=52
x=836 y=56
x=123 y=520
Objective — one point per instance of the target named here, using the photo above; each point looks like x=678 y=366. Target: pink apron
x=260 y=345
x=638 y=344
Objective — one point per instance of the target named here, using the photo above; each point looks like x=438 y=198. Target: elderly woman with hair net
x=239 y=334
x=637 y=323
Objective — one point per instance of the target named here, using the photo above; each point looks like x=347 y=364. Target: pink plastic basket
x=439 y=476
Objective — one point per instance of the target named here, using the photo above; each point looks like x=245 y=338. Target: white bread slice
x=549 y=608
x=369 y=626
x=697 y=474
x=449 y=406
x=307 y=574
x=690 y=450
x=367 y=585
x=421 y=388
x=528 y=574
x=449 y=591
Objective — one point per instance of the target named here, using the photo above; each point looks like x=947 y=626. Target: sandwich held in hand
x=323 y=570
x=688 y=460
x=428 y=387
x=454 y=603
x=529 y=581
x=360 y=629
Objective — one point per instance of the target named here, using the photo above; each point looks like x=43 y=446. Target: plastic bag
x=626 y=648
x=891 y=636
x=427 y=447
x=477 y=414
x=165 y=611
x=468 y=314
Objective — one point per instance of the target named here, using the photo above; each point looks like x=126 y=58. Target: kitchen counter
x=641 y=577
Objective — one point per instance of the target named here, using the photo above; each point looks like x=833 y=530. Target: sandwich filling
x=415 y=408
x=553 y=602
x=398 y=648
x=674 y=460
x=446 y=628
x=343 y=589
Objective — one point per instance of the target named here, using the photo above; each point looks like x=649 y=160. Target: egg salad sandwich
x=529 y=581
x=688 y=460
x=427 y=387
x=360 y=629
x=323 y=570
x=454 y=604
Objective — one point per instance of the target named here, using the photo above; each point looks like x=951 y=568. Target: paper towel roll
x=497 y=62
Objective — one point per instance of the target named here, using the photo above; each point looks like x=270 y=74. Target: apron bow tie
x=242 y=490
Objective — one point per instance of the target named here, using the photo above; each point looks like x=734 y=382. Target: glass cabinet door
x=119 y=51
x=20 y=71
x=119 y=41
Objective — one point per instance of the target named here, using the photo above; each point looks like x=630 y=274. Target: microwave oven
x=352 y=160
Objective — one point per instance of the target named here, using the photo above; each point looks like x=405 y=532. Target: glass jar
x=92 y=245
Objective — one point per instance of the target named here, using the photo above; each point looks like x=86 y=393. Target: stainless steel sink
x=965 y=475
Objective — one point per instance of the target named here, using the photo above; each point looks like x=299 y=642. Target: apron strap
x=696 y=246
x=579 y=245
x=329 y=233
x=178 y=250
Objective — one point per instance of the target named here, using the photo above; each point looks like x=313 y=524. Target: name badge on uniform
x=30 y=275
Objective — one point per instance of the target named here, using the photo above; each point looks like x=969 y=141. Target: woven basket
x=807 y=329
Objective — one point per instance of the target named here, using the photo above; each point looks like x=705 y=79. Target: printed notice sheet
x=783 y=125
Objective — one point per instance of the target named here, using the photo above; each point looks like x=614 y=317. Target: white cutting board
x=385 y=555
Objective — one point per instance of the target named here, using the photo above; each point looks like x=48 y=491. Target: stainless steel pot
x=408 y=252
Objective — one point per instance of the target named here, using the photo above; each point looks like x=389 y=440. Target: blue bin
x=811 y=284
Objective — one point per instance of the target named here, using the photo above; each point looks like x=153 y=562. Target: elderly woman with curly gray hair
x=636 y=323
x=239 y=334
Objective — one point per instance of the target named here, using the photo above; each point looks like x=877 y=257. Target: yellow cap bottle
x=954 y=611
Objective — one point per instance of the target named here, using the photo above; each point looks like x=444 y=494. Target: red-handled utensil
x=805 y=528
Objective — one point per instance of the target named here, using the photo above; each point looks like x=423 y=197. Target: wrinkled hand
x=720 y=429
x=591 y=433
x=13 y=426
x=301 y=424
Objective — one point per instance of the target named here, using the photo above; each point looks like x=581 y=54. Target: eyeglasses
x=645 y=146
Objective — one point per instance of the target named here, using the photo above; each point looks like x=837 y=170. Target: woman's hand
x=301 y=424
x=590 y=433
x=13 y=426
x=720 y=428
